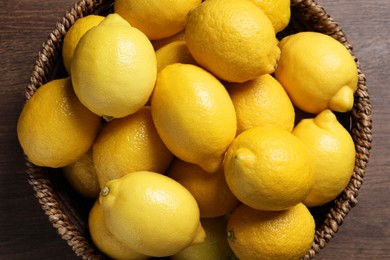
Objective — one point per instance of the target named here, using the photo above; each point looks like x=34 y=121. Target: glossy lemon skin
x=268 y=168
x=54 y=128
x=271 y=235
x=104 y=239
x=334 y=154
x=317 y=72
x=158 y=19
x=114 y=68
x=193 y=115
x=129 y=144
x=153 y=214
x=235 y=40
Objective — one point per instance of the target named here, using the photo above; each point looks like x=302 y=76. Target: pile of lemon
x=178 y=119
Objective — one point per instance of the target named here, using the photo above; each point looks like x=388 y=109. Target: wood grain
x=25 y=232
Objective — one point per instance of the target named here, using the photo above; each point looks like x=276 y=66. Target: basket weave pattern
x=306 y=15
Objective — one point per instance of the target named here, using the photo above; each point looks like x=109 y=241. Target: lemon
x=104 y=240
x=262 y=102
x=215 y=246
x=210 y=191
x=334 y=154
x=156 y=18
x=271 y=235
x=151 y=213
x=193 y=115
x=317 y=72
x=180 y=36
x=269 y=168
x=278 y=11
x=72 y=37
x=114 y=68
x=174 y=52
x=81 y=175
x=233 y=39
x=129 y=144
x=54 y=129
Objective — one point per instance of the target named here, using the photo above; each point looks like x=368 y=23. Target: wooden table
x=25 y=232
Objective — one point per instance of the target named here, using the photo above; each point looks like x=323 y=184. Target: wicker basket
x=68 y=212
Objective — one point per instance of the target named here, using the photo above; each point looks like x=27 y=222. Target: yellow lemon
x=54 y=128
x=151 y=213
x=269 y=168
x=278 y=11
x=174 y=52
x=180 y=36
x=210 y=190
x=233 y=39
x=114 y=68
x=334 y=154
x=156 y=18
x=193 y=114
x=104 y=240
x=262 y=102
x=72 y=37
x=81 y=175
x=215 y=246
x=271 y=235
x=129 y=144
x=317 y=72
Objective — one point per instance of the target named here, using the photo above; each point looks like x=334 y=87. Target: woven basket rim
x=307 y=12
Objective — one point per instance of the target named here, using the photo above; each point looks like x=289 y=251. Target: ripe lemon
x=180 y=36
x=277 y=11
x=317 y=72
x=262 y=102
x=215 y=246
x=72 y=37
x=114 y=68
x=334 y=154
x=232 y=39
x=156 y=18
x=269 y=168
x=174 y=52
x=210 y=190
x=54 y=128
x=271 y=235
x=81 y=175
x=151 y=213
x=104 y=240
x=129 y=144
x=193 y=114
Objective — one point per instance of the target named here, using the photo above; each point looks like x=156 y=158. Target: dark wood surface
x=25 y=232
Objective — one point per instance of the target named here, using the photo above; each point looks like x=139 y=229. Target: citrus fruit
x=193 y=115
x=129 y=144
x=72 y=37
x=157 y=44
x=271 y=235
x=174 y=52
x=54 y=129
x=317 y=72
x=269 y=168
x=151 y=213
x=233 y=39
x=277 y=11
x=104 y=240
x=215 y=246
x=114 y=68
x=210 y=190
x=261 y=102
x=156 y=18
x=333 y=151
x=81 y=175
